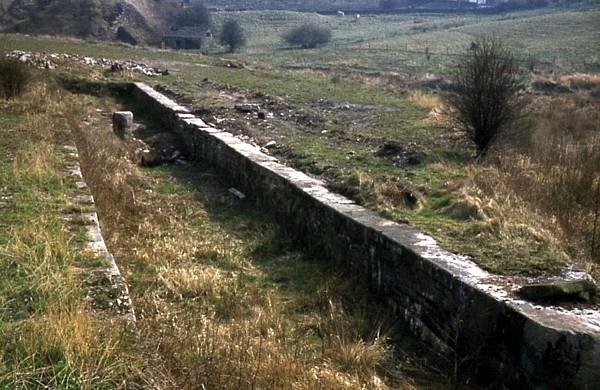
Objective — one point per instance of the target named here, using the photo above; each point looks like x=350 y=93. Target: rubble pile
x=52 y=60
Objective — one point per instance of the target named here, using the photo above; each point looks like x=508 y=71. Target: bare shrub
x=308 y=36
x=232 y=35
x=485 y=98
x=14 y=78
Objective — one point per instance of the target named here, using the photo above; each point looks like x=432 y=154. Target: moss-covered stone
x=560 y=290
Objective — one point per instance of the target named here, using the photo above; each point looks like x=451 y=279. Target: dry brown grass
x=192 y=281
x=66 y=347
x=427 y=100
x=262 y=349
x=208 y=312
x=36 y=162
x=380 y=193
x=514 y=223
x=581 y=80
x=219 y=330
x=49 y=337
x=557 y=171
x=106 y=163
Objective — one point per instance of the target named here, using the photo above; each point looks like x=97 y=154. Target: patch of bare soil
x=401 y=155
x=269 y=121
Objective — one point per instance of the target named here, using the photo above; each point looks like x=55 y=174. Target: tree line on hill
x=232 y=35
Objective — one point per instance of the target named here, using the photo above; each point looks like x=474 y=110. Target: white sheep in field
x=341 y=13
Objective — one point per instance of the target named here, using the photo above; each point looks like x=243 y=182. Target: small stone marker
x=123 y=124
x=560 y=290
x=150 y=158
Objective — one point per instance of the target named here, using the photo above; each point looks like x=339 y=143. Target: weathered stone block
x=150 y=158
x=559 y=290
x=123 y=124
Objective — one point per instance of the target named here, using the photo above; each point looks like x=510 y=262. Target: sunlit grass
x=49 y=336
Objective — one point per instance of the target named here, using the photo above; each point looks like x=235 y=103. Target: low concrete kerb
x=94 y=240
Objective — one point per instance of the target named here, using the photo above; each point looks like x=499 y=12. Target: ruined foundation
x=442 y=295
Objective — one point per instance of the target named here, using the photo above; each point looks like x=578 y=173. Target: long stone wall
x=441 y=295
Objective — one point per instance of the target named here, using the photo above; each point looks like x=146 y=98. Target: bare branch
x=485 y=98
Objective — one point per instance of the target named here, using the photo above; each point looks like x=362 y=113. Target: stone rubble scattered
x=247 y=107
x=52 y=61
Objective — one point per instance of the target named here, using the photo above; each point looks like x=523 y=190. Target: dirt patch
x=401 y=155
x=346 y=106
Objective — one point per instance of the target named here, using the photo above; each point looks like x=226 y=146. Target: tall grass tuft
x=14 y=78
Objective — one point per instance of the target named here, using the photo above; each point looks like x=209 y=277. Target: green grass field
x=390 y=43
x=399 y=42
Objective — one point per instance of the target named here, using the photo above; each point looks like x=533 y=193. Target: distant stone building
x=185 y=38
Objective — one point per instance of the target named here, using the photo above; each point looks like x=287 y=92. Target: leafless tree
x=308 y=35
x=485 y=98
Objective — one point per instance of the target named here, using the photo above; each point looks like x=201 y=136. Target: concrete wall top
x=161 y=99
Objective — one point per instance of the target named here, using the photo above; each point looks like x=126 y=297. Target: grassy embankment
x=472 y=208
x=342 y=144
x=49 y=335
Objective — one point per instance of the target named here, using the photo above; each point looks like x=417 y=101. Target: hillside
x=365 y=6
x=294 y=5
x=132 y=21
x=146 y=21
